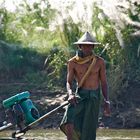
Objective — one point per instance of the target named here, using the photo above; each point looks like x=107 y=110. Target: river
x=102 y=134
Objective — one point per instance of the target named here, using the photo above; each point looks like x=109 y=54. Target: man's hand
x=72 y=99
x=107 y=111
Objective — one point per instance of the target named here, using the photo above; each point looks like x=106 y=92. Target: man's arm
x=104 y=81
x=70 y=77
x=104 y=88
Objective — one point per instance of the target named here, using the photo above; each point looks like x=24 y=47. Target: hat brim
x=90 y=43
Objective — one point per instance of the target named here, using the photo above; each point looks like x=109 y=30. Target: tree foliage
x=30 y=50
x=122 y=54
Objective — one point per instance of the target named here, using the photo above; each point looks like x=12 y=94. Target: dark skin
x=97 y=74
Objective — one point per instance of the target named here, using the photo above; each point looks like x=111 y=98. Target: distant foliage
x=32 y=52
x=16 y=61
x=123 y=62
x=70 y=32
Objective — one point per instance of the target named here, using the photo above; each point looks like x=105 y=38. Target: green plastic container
x=16 y=99
x=30 y=111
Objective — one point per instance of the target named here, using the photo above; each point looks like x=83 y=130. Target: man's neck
x=85 y=55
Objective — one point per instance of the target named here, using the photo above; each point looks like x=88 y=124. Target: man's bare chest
x=80 y=69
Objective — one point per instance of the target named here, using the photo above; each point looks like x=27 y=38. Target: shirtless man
x=81 y=117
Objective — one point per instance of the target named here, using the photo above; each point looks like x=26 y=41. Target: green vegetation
x=33 y=54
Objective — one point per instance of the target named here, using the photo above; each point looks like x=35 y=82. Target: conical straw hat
x=87 y=39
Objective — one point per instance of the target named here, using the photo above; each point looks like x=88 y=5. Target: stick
x=6 y=126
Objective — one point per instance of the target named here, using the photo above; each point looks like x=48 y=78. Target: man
x=81 y=117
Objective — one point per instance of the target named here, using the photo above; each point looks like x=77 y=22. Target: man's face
x=87 y=48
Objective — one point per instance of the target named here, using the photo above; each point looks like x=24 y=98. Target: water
x=102 y=134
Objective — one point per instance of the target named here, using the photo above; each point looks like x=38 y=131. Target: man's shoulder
x=72 y=59
x=100 y=59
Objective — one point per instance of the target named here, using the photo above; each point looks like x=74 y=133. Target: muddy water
x=102 y=134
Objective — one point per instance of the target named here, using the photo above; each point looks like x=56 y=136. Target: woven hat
x=87 y=39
